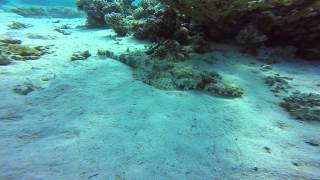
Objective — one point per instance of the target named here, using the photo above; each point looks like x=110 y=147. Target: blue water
x=49 y=2
x=43 y=2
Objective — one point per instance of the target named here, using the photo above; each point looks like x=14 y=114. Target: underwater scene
x=159 y=90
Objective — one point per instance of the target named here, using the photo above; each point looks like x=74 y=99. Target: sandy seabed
x=91 y=120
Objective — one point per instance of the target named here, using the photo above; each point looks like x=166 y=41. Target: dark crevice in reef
x=182 y=29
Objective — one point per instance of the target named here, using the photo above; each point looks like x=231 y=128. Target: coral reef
x=293 y=22
x=303 y=106
x=117 y=23
x=163 y=24
x=97 y=9
x=80 y=55
x=249 y=23
x=167 y=48
x=148 y=20
x=250 y=35
x=54 y=12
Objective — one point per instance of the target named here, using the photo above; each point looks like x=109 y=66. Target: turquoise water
x=43 y=2
x=48 y=2
x=67 y=116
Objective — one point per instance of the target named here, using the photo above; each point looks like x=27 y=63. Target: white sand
x=92 y=120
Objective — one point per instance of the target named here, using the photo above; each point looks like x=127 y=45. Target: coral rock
x=80 y=55
x=4 y=60
x=303 y=106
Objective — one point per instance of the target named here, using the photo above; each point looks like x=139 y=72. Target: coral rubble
x=18 y=25
x=278 y=84
x=12 y=49
x=106 y=54
x=80 y=55
x=63 y=29
x=303 y=106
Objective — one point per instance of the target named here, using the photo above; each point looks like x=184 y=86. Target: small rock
x=4 y=60
x=62 y=31
x=296 y=164
x=18 y=25
x=267 y=149
x=11 y=41
x=80 y=55
x=266 y=67
x=24 y=89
